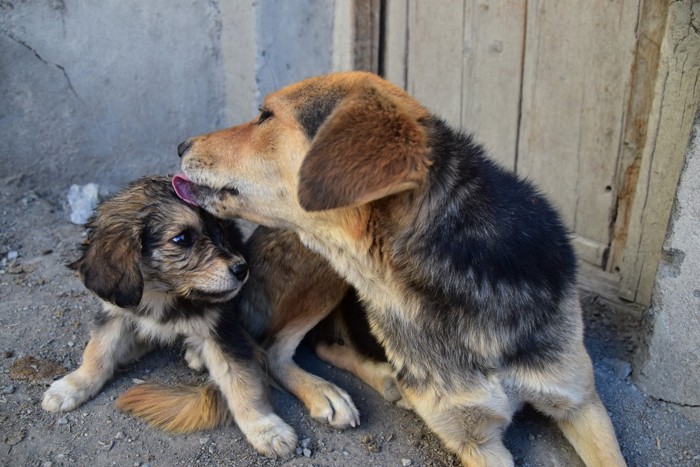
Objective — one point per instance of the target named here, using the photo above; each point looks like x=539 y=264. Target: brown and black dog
x=166 y=271
x=466 y=271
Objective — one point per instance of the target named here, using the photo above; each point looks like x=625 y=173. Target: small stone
x=62 y=421
x=47 y=464
x=204 y=440
x=9 y=389
x=345 y=453
x=71 y=343
x=305 y=442
x=12 y=255
x=119 y=435
x=406 y=462
x=307 y=452
x=212 y=449
x=82 y=200
x=299 y=451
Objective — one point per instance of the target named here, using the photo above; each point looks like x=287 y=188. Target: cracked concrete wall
x=668 y=364
x=104 y=91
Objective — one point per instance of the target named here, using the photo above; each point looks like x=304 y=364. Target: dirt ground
x=44 y=324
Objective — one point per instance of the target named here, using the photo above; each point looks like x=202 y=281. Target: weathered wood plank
x=575 y=83
x=434 y=57
x=494 y=42
x=676 y=99
x=395 y=41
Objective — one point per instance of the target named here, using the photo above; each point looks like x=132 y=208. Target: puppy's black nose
x=240 y=271
x=183 y=147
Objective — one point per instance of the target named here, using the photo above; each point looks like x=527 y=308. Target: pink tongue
x=185 y=188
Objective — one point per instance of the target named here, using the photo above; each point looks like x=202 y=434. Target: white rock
x=82 y=200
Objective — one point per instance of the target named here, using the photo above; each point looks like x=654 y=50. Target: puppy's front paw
x=194 y=360
x=329 y=403
x=64 y=395
x=271 y=436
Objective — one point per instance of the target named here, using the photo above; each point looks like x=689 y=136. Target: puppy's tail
x=179 y=409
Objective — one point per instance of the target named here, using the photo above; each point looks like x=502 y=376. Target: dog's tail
x=179 y=409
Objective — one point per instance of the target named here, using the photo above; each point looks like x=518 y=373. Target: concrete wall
x=668 y=364
x=104 y=91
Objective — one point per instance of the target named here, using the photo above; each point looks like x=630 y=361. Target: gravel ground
x=44 y=323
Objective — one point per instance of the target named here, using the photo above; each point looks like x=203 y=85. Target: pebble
x=62 y=421
x=119 y=435
x=204 y=440
x=212 y=449
x=406 y=462
x=12 y=255
x=305 y=442
x=71 y=343
x=299 y=451
x=47 y=464
x=307 y=452
x=9 y=389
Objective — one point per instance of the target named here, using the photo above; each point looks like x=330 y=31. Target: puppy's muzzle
x=239 y=271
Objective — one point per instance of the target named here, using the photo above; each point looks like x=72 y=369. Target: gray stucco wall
x=104 y=91
x=668 y=364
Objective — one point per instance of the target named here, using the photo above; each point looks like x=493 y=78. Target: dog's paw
x=63 y=396
x=271 y=436
x=390 y=389
x=194 y=360
x=328 y=403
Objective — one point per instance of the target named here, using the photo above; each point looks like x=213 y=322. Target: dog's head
x=330 y=142
x=145 y=238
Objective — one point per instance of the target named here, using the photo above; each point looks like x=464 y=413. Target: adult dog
x=165 y=270
x=466 y=270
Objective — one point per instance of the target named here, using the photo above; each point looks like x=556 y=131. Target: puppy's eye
x=184 y=239
x=264 y=115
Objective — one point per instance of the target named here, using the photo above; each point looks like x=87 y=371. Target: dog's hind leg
x=111 y=343
x=567 y=393
x=470 y=423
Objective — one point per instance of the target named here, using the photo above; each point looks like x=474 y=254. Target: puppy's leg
x=568 y=395
x=233 y=368
x=111 y=343
x=378 y=375
x=194 y=359
x=471 y=424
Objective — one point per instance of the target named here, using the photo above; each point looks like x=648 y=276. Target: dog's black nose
x=183 y=147
x=240 y=271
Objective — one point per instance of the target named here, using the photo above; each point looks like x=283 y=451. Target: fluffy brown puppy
x=164 y=271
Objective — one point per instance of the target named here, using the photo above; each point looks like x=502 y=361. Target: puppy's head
x=334 y=141
x=145 y=238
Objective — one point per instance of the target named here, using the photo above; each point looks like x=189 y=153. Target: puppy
x=163 y=271
x=466 y=270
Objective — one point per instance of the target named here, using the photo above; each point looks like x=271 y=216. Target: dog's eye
x=264 y=115
x=185 y=238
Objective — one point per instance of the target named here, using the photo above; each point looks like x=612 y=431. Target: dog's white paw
x=63 y=396
x=329 y=403
x=271 y=436
x=194 y=360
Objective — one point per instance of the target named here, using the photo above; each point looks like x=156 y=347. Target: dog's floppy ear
x=109 y=264
x=370 y=147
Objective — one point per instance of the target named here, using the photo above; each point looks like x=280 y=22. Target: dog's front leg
x=111 y=343
x=234 y=369
x=325 y=400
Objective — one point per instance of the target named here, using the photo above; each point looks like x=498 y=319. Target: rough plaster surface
x=669 y=362
x=301 y=49
x=104 y=91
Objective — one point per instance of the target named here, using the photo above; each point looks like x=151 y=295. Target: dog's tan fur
x=164 y=271
x=349 y=190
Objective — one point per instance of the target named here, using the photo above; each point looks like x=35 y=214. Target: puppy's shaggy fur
x=165 y=270
x=466 y=270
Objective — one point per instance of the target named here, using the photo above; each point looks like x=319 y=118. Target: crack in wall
x=36 y=54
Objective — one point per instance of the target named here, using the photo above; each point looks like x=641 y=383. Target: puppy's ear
x=109 y=264
x=370 y=147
